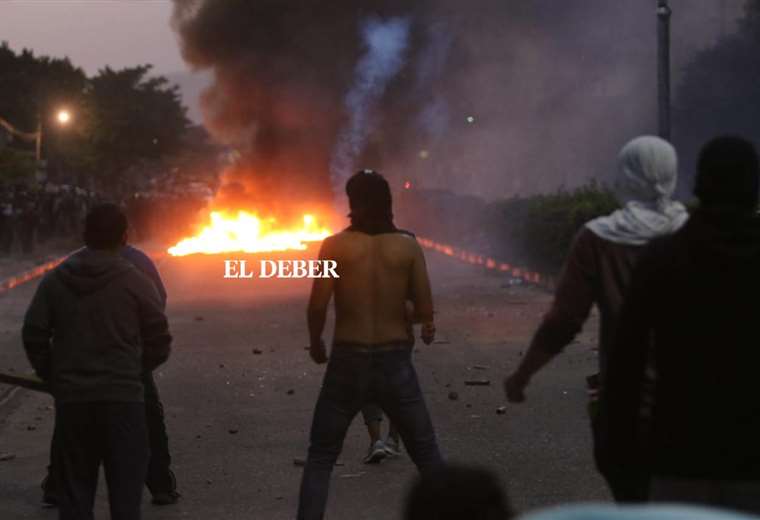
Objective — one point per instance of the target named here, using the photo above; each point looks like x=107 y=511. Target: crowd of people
x=679 y=414
x=31 y=215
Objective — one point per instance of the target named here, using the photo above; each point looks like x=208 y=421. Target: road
x=238 y=419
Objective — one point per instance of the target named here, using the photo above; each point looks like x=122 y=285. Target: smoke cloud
x=386 y=42
x=489 y=97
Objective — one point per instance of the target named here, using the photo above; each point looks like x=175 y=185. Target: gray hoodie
x=95 y=325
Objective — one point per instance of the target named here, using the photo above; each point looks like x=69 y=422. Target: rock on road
x=237 y=418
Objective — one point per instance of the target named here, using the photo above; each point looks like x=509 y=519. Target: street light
x=664 y=13
x=63 y=117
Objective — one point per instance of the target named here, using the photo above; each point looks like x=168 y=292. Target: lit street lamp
x=63 y=117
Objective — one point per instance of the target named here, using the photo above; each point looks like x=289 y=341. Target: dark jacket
x=95 y=325
x=695 y=295
x=597 y=271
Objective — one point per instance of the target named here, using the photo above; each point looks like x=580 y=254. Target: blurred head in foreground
x=727 y=175
x=457 y=493
x=105 y=227
x=369 y=197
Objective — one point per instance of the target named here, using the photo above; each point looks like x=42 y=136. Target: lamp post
x=663 y=67
x=63 y=117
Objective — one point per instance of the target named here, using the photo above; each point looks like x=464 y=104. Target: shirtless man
x=380 y=267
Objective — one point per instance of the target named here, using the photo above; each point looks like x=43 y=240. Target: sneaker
x=165 y=498
x=376 y=453
x=392 y=448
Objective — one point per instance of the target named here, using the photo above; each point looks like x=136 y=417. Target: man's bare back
x=378 y=275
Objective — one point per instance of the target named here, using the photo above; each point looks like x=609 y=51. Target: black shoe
x=165 y=498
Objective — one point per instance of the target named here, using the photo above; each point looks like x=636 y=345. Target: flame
x=245 y=232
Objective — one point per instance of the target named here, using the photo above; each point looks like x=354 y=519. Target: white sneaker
x=376 y=453
x=392 y=448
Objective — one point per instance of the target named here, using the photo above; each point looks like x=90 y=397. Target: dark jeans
x=88 y=434
x=160 y=478
x=355 y=377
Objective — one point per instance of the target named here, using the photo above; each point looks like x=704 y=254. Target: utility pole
x=663 y=67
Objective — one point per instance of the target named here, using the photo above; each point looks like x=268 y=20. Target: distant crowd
x=32 y=215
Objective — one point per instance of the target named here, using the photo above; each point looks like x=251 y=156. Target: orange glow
x=245 y=232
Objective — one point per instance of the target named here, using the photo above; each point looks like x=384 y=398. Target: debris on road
x=477 y=382
x=291 y=392
x=479 y=367
x=501 y=410
x=31 y=428
x=257 y=352
x=453 y=396
x=352 y=475
x=298 y=461
x=233 y=431
x=5 y=457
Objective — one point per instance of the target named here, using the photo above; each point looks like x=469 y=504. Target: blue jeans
x=356 y=376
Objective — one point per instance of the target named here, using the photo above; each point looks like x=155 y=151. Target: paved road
x=238 y=420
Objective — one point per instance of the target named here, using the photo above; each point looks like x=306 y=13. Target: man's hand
x=428 y=332
x=318 y=352
x=514 y=387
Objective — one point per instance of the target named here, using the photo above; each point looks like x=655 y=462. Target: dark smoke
x=495 y=97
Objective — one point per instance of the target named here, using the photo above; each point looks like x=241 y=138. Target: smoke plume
x=487 y=97
x=385 y=43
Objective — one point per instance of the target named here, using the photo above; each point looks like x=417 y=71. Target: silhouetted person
x=380 y=267
x=457 y=493
x=598 y=270
x=160 y=479
x=693 y=301
x=94 y=327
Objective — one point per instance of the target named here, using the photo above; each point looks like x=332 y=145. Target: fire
x=246 y=232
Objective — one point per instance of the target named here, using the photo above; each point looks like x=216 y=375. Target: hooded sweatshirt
x=94 y=326
x=695 y=294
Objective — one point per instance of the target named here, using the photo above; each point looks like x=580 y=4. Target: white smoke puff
x=386 y=42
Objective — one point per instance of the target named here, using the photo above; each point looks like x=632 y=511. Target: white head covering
x=647 y=174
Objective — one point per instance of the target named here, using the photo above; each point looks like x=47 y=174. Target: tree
x=720 y=92
x=134 y=117
x=121 y=117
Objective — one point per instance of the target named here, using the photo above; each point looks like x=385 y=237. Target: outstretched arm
x=573 y=300
x=316 y=315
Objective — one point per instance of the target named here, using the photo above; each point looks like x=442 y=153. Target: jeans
x=160 y=478
x=88 y=434
x=356 y=376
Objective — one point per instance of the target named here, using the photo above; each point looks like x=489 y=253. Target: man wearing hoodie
x=160 y=479
x=94 y=327
x=693 y=301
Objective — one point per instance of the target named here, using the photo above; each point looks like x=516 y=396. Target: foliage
x=15 y=166
x=537 y=231
x=720 y=91
x=120 y=117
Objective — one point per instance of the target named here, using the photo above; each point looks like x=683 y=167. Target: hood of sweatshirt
x=88 y=270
